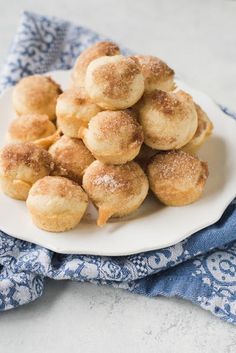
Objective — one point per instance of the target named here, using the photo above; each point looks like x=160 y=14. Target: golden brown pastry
x=71 y=158
x=169 y=120
x=30 y=127
x=113 y=137
x=114 y=82
x=21 y=165
x=95 y=51
x=36 y=95
x=157 y=74
x=202 y=133
x=46 y=142
x=74 y=109
x=116 y=190
x=177 y=178
x=56 y=204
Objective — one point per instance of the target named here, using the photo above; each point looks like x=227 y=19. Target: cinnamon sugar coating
x=74 y=110
x=30 y=127
x=114 y=82
x=21 y=165
x=113 y=137
x=157 y=74
x=169 y=119
x=95 y=51
x=36 y=94
x=56 y=204
x=71 y=158
x=177 y=178
x=116 y=190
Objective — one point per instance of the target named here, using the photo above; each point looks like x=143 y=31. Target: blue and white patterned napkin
x=201 y=269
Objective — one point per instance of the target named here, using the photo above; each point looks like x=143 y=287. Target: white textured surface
x=198 y=39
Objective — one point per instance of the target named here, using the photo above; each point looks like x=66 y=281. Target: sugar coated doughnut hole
x=169 y=119
x=177 y=178
x=113 y=137
x=74 y=109
x=21 y=165
x=36 y=94
x=116 y=190
x=93 y=52
x=114 y=82
x=71 y=158
x=56 y=204
x=30 y=127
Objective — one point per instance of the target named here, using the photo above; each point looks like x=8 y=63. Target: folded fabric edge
x=191 y=289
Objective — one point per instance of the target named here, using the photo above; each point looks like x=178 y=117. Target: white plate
x=153 y=226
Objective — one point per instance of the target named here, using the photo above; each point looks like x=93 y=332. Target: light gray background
x=198 y=39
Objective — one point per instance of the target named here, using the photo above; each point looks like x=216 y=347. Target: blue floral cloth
x=201 y=268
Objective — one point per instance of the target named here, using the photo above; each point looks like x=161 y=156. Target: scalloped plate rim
x=53 y=244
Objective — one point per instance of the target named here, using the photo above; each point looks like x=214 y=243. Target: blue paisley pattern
x=201 y=269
